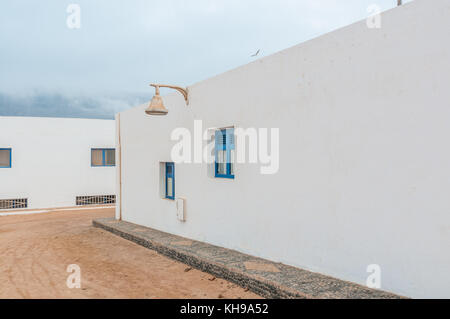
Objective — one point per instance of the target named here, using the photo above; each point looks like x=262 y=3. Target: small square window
x=103 y=157
x=224 y=153
x=5 y=157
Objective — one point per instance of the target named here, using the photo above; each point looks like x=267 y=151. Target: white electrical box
x=180 y=209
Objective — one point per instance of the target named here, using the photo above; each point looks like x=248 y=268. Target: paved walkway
x=266 y=278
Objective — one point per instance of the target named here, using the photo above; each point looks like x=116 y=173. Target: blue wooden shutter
x=220 y=145
x=224 y=141
x=230 y=139
x=229 y=147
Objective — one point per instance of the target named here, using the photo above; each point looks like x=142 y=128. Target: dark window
x=14 y=203
x=95 y=200
x=170 y=180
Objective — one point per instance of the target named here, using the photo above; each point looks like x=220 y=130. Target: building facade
x=364 y=170
x=55 y=162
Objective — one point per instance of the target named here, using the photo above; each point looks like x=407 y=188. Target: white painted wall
x=51 y=160
x=364 y=118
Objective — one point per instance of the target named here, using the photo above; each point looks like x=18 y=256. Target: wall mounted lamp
x=156 y=106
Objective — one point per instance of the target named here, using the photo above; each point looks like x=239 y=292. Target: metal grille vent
x=13 y=203
x=95 y=200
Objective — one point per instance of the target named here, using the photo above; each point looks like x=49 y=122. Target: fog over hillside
x=46 y=104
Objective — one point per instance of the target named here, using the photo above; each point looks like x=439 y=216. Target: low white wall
x=364 y=162
x=51 y=160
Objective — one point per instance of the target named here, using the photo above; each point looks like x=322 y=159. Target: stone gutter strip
x=264 y=277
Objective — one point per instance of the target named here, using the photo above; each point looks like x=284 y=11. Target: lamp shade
x=156 y=106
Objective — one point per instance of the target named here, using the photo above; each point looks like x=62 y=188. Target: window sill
x=224 y=176
x=103 y=165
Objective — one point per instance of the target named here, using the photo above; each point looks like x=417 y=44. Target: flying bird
x=257 y=52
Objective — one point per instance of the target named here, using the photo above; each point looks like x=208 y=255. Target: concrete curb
x=256 y=283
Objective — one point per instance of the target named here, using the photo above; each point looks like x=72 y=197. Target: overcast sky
x=47 y=69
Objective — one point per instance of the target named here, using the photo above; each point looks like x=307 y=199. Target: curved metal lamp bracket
x=179 y=89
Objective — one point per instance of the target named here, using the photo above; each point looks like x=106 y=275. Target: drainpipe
x=120 y=167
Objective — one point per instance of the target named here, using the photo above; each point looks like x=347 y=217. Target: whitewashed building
x=55 y=162
x=364 y=166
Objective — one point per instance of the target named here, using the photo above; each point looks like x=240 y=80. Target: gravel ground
x=35 y=251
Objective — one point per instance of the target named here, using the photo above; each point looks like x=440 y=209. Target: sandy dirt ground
x=35 y=251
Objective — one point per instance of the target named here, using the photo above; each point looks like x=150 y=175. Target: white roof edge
x=284 y=50
x=50 y=117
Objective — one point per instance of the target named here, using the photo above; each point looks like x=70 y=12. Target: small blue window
x=170 y=180
x=5 y=157
x=103 y=157
x=224 y=153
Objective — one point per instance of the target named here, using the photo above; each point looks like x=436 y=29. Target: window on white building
x=103 y=157
x=170 y=180
x=5 y=157
x=224 y=153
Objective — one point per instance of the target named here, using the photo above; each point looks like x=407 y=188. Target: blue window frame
x=224 y=151
x=5 y=157
x=103 y=157
x=170 y=180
